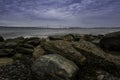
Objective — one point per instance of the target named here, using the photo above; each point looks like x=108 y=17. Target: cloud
x=60 y=12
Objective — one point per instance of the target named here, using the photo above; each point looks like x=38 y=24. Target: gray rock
x=54 y=67
x=63 y=48
x=98 y=57
x=111 y=41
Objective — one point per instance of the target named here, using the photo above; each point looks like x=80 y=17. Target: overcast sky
x=60 y=13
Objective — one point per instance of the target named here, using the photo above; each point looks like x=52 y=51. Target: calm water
x=27 y=32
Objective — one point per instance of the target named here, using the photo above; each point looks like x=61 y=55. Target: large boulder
x=98 y=57
x=54 y=67
x=63 y=48
x=111 y=41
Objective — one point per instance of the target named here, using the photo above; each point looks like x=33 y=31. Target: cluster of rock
x=61 y=57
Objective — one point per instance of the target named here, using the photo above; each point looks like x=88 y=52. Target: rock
x=55 y=37
x=32 y=41
x=11 y=44
x=38 y=51
x=103 y=75
x=111 y=41
x=88 y=37
x=93 y=74
x=96 y=42
x=24 y=50
x=54 y=67
x=63 y=48
x=2 y=45
x=98 y=57
x=6 y=52
x=16 y=40
x=20 y=38
x=68 y=37
x=15 y=71
x=25 y=45
x=5 y=61
x=17 y=56
x=72 y=37
x=1 y=39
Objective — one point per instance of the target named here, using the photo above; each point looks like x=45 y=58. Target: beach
x=60 y=55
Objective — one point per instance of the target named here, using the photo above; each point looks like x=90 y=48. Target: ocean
x=37 y=32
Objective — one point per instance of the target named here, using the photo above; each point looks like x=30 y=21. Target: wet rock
x=2 y=45
x=38 y=51
x=98 y=57
x=63 y=48
x=111 y=41
x=54 y=67
x=1 y=39
x=32 y=41
x=5 y=61
x=11 y=44
x=24 y=50
x=6 y=52
x=15 y=71
x=25 y=45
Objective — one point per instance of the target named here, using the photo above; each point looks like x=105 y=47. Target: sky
x=60 y=13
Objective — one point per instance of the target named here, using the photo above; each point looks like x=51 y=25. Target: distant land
x=60 y=27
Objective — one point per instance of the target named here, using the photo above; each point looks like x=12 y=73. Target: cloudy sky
x=60 y=13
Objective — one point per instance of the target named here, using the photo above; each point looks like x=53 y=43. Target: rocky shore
x=61 y=57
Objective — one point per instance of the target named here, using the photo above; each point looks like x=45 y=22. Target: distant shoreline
x=61 y=28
